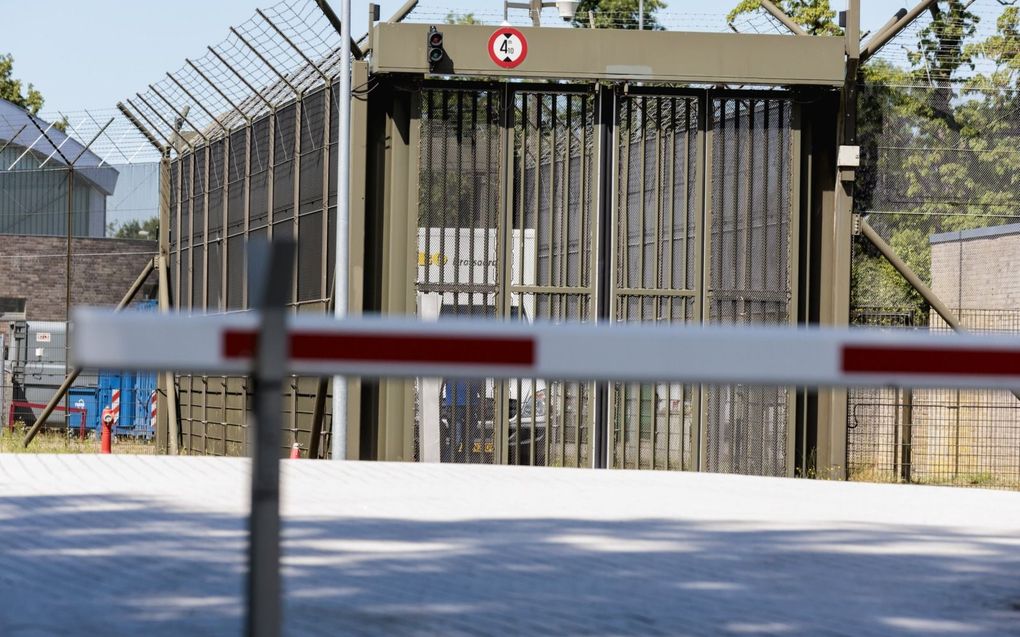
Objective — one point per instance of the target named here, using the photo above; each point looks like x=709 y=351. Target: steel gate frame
x=702 y=295
x=509 y=202
x=604 y=290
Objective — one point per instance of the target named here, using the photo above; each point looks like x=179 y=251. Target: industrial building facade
x=50 y=182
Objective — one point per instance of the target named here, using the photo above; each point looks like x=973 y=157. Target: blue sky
x=91 y=53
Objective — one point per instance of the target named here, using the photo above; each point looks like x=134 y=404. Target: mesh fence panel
x=459 y=262
x=265 y=180
x=552 y=261
x=938 y=184
x=658 y=233
x=750 y=273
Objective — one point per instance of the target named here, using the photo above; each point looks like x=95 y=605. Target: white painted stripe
x=760 y=355
x=115 y=406
x=153 y=402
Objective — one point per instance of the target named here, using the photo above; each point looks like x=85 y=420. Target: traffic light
x=434 y=49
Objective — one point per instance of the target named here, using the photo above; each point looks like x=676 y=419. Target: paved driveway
x=151 y=546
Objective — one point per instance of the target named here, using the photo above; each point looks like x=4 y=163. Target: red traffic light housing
x=434 y=49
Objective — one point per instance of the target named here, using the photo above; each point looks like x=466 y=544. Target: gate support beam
x=390 y=257
x=604 y=272
x=821 y=442
x=915 y=281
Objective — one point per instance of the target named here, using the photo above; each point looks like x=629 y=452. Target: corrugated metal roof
x=17 y=128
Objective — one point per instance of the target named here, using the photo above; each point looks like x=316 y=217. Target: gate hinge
x=855 y=224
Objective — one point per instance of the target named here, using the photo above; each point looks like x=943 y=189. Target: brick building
x=972 y=436
x=33 y=287
x=33 y=274
x=977 y=269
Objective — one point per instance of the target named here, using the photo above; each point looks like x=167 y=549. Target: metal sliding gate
x=572 y=203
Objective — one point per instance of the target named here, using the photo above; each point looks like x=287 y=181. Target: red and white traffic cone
x=295 y=452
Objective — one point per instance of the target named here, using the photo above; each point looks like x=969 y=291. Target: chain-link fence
x=251 y=130
x=940 y=142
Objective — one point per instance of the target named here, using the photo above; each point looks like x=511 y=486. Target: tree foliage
x=939 y=145
x=815 y=16
x=939 y=138
x=461 y=18
x=12 y=90
x=618 y=14
x=134 y=229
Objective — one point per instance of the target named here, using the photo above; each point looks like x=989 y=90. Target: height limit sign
x=507 y=47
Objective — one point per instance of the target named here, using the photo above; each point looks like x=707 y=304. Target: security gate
x=657 y=273
x=575 y=203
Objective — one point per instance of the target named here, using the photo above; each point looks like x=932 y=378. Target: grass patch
x=61 y=441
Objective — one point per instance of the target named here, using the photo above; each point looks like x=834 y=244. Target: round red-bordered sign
x=507 y=47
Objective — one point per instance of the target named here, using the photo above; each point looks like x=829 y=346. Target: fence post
x=908 y=424
x=270 y=271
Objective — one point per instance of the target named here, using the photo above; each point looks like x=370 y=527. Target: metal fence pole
x=906 y=438
x=339 y=431
x=270 y=268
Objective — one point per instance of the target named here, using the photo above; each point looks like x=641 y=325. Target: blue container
x=88 y=398
x=136 y=391
x=145 y=387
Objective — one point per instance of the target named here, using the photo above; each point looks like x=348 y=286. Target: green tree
x=462 y=18
x=948 y=136
x=816 y=16
x=942 y=53
x=618 y=14
x=148 y=229
x=12 y=89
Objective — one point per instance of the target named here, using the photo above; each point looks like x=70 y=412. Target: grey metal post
x=343 y=181
x=270 y=267
x=907 y=437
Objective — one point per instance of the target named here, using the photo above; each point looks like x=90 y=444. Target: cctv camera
x=566 y=9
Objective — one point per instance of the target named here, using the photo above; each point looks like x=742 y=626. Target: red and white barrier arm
x=223 y=344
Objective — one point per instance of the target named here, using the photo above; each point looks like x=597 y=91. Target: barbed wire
x=106 y=133
x=279 y=54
